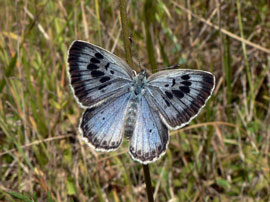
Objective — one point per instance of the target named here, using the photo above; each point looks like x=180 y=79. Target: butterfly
x=119 y=102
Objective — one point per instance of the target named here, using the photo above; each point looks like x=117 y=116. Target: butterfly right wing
x=179 y=94
x=101 y=126
x=96 y=74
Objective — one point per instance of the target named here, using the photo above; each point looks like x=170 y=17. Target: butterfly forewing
x=102 y=125
x=96 y=74
x=179 y=95
x=150 y=138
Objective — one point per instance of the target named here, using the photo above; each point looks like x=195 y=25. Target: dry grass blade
x=224 y=31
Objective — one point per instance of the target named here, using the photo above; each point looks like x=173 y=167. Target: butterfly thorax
x=137 y=90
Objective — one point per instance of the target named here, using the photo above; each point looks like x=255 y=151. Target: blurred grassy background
x=223 y=155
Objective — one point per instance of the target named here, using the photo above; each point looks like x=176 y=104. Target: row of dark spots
x=104 y=144
x=179 y=94
x=184 y=77
x=97 y=73
x=148 y=155
x=95 y=60
x=94 y=66
x=182 y=89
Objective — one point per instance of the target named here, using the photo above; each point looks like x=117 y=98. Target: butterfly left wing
x=150 y=137
x=179 y=95
x=96 y=74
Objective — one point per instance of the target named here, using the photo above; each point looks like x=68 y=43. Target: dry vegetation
x=223 y=155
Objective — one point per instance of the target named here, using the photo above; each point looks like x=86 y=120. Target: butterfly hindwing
x=150 y=138
x=96 y=74
x=102 y=126
x=179 y=95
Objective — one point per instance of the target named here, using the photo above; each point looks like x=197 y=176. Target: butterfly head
x=142 y=75
x=138 y=83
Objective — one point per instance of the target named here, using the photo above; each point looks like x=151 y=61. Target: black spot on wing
x=92 y=66
x=186 y=83
x=97 y=73
x=167 y=102
x=185 y=77
x=103 y=86
x=169 y=95
x=179 y=94
x=94 y=60
x=173 y=82
x=104 y=79
x=184 y=89
x=166 y=85
x=112 y=72
x=107 y=66
x=99 y=56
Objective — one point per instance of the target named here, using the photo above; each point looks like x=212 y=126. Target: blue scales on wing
x=150 y=137
x=102 y=126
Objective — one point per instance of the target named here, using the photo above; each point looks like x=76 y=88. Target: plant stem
x=124 y=22
x=148 y=183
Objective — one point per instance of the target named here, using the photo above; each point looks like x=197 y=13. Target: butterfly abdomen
x=131 y=117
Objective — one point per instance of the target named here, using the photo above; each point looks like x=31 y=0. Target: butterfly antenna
x=136 y=55
x=175 y=66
